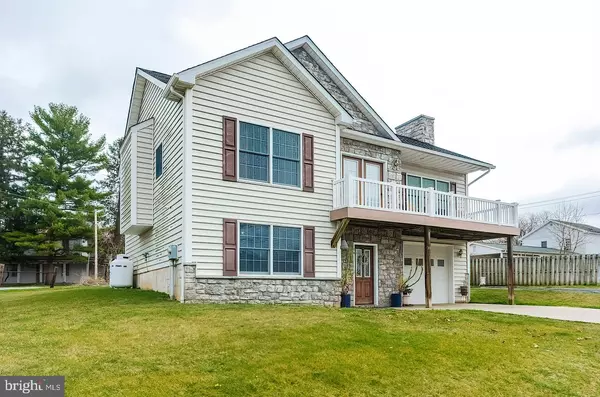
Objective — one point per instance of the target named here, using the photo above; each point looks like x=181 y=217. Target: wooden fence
x=544 y=270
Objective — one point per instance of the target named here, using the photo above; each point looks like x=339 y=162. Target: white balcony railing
x=387 y=196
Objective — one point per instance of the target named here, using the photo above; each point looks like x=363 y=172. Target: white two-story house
x=261 y=164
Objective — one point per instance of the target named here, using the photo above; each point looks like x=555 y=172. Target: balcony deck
x=450 y=215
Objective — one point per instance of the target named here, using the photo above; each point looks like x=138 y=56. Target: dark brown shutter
x=229 y=149
x=308 y=163
x=229 y=247
x=453 y=187
x=309 y=251
x=403 y=178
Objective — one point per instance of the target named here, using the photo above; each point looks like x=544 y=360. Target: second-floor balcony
x=370 y=200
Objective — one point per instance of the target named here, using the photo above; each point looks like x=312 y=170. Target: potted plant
x=405 y=286
x=347 y=280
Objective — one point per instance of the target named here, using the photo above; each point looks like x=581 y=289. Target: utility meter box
x=172 y=251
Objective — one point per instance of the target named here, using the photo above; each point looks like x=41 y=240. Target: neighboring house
x=259 y=165
x=565 y=236
x=34 y=269
x=492 y=250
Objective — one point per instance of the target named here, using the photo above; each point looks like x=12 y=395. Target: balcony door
x=365 y=192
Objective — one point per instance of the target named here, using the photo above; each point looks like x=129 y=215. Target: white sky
x=516 y=84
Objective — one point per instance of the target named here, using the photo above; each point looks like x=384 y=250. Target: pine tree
x=13 y=135
x=111 y=242
x=60 y=195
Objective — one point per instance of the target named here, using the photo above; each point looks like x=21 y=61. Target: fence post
x=1 y=273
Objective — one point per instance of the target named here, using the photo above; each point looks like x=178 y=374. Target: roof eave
x=275 y=46
x=327 y=64
x=399 y=145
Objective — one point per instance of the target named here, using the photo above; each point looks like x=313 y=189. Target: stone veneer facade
x=389 y=255
x=390 y=156
x=260 y=290
x=419 y=128
x=361 y=123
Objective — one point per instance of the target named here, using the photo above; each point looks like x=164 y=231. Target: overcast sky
x=516 y=84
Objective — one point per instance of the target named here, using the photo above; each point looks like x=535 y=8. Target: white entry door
x=441 y=272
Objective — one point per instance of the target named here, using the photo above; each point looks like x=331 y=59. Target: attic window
x=544 y=244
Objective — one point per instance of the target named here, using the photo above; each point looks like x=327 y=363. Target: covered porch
x=385 y=248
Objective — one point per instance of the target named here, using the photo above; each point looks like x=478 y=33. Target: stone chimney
x=419 y=128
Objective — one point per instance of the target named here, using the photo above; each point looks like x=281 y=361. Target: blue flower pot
x=396 y=300
x=346 y=300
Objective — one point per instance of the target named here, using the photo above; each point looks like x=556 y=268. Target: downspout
x=173 y=268
x=480 y=176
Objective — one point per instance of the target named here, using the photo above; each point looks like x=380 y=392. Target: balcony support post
x=510 y=271
x=427 y=260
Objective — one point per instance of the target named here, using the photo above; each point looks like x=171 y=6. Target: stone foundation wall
x=389 y=253
x=255 y=290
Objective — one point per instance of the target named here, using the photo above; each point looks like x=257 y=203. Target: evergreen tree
x=110 y=241
x=61 y=195
x=13 y=135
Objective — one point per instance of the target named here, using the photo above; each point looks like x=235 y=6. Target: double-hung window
x=266 y=249
x=269 y=155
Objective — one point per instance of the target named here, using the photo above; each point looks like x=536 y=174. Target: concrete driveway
x=554 y=312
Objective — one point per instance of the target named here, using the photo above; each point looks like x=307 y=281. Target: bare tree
x=531 y=221
x=567 y=237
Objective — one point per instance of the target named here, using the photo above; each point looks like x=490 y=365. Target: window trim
x=270 y=127
x=434 y=179
x=270 y=274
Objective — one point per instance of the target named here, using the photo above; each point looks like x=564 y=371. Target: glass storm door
x=363 y=278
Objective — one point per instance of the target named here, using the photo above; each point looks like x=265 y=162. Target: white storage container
x=121 y=272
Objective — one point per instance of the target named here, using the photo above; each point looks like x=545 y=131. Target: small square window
x=159 y=160
x=441 y=263
x=419 y=261
x=544 y=244
x=407 y=261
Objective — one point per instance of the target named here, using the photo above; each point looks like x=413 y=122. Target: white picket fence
x=544 y=270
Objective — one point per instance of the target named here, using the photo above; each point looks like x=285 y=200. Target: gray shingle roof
x=157 y=75
x=525 y=249
x=582 y=226
x=425 y=145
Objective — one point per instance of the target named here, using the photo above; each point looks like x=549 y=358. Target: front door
x=363 y=278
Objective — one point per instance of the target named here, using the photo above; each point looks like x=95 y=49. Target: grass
x=537 y=297
x=137 y=343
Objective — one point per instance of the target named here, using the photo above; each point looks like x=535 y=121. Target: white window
x=269 y=155
x=267 y=249
x=418 y=181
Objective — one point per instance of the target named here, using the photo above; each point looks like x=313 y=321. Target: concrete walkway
x=553 y=312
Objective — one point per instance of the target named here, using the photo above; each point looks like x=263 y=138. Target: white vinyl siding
x=260 y=91
x=144 y=175
x=125 y=182
x=148 y=251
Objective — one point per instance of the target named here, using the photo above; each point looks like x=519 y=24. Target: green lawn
x=137 y=343
x=564 y=297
